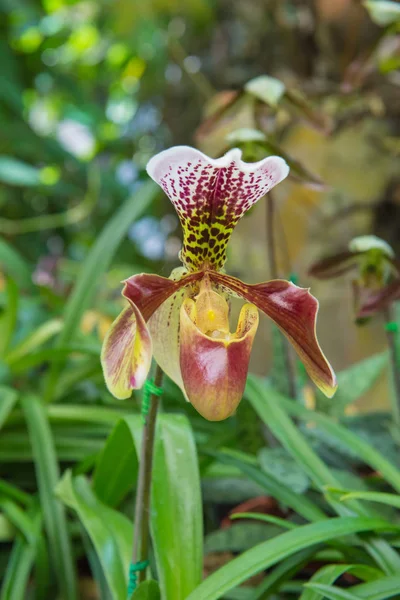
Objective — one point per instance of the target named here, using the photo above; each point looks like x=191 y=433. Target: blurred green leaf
x=8 y=319
x=383 y=12
x=38 y=337
x=148 y=590
x=384 y=498
x=20 y=563
x=271 y=552
x=264 y=517
x=329 y=573
x=16 y=172
x=8 y=398
x=239 y=537
x=332 y=592
x=96 y=264
x=354 y=382
x=110 y=531
x=281 y=465
x=385 y=587
x=47 y=474
x=14 y=265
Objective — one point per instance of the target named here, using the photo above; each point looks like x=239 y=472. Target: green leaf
x=273 y=551
x=14 y=265
x=117 y=467
x=355 y=444
x=176 y=508
x=383 y=12
x=16 y=172
x=238 y=537
x=148 y=590
x=47 y=474
x=8 y=398
x=94 y=266
x=266 y=518
x=383 y=498
x=8 y=319
x=269 y=405
x=332 y=592
x=283 y=572
x=385 y=587
x=38 y=337
x=267 y=89
x=281 y=465
x=328 y=574
x=301 y=504
x=354 y=382
x=110 y=532
x=20 y=563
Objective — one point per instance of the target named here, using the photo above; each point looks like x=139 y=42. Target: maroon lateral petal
x=148 y=292
x=294 y=310
x=336 y=265
x=375 y=302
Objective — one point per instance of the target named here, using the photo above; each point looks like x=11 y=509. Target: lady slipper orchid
x=376 y=273
x=184 y=320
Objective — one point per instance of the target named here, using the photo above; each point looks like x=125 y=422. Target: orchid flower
x=376 y=272
x=183 y=320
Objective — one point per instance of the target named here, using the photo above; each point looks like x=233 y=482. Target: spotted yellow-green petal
x=294 y=310
x=210 y=196
x=126 y=353
x=214 y=369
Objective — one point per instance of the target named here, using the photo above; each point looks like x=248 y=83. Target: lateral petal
x=148 y=292
x=210 y=196
x=164 y=327
x=214 y=370
x=333 y=266
x=376 y=301
x=126 y=353
x=294 y=310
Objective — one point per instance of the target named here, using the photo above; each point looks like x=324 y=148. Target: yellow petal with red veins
x=126 y=353
x=214 y=363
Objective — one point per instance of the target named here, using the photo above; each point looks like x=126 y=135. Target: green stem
x=395 y=364
x=142 y=506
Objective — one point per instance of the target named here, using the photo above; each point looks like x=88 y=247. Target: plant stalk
x=273 y=267
x=142 y=504
x=395 y=364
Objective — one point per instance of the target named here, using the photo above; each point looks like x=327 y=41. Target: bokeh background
x=90 y=90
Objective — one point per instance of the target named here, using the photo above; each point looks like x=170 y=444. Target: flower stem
x=395 y=363
x=273 y=266
x=142 y=505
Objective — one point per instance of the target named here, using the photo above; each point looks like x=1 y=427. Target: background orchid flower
x=373 y=262
x=184 y=320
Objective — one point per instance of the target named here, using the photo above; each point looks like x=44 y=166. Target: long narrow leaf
x=47 y=474
x=95 y=265
x=268 y=405
x=110 y=531
x=264 y=555
x=332 y=592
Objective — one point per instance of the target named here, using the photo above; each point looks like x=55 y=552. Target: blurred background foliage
x=89 y=91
